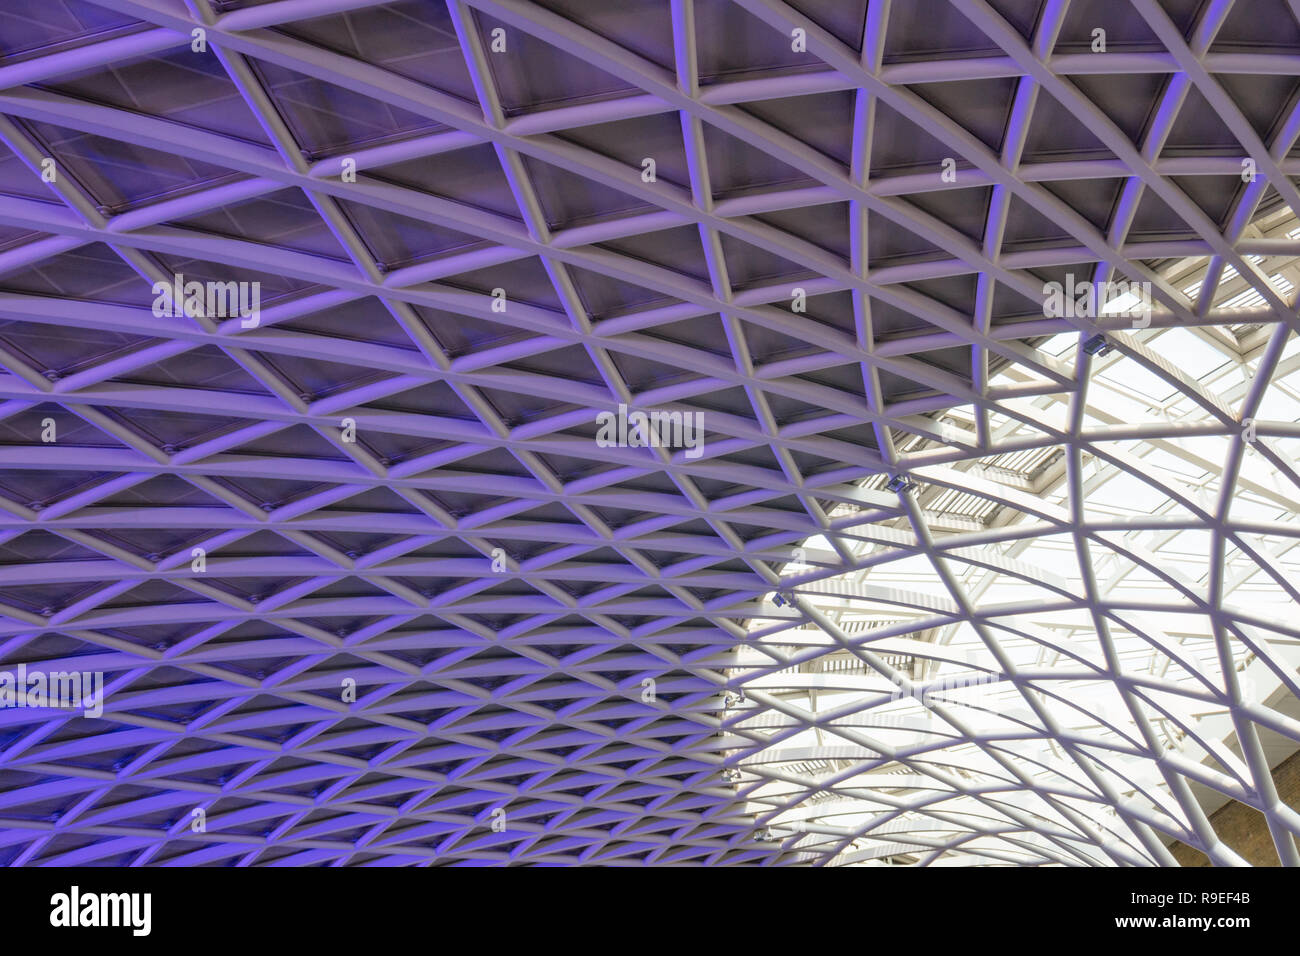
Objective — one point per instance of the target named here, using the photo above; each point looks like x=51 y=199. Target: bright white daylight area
x=1069 y=651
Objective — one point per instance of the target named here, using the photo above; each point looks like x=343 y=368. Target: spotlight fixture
x=900 y=484
x=1097 y=345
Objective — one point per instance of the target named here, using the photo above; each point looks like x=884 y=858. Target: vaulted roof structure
x=711 y=432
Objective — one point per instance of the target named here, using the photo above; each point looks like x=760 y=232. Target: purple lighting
x=312 y=312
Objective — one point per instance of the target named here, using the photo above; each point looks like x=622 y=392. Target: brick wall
x=1243 y=828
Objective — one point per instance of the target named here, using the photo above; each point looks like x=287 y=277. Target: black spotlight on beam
x=1097 y=345
x=900 y=483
